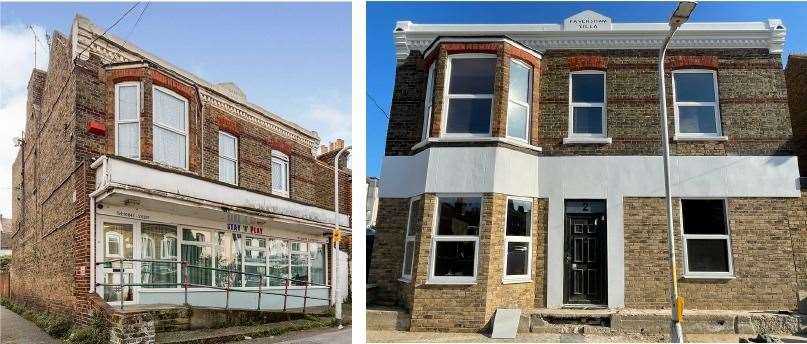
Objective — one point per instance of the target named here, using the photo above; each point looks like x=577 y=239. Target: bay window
x=280 y=174
x=228 y=158
x=455 y=244
x=170 y=128
x=518 y=100
x=469 y=95
x=427 y=107
x=518 y=240
x=696 y=106
x=413 y=224
x=587 y=104
x=707 y=244
x=127 y=119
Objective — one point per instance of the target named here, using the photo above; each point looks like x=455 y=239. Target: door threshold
x=584 y=306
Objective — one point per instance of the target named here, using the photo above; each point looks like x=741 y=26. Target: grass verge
x=61 y=327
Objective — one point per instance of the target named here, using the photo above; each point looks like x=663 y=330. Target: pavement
x=440 y=337
x=15 y=329
x=329 y=335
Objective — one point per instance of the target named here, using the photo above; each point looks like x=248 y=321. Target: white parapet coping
x=770 y=34
x=114 y=172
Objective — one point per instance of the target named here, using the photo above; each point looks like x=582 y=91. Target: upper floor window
x=228 y=158
x=518 y=100
x=696 y=106
x=170 y=128
x=427 y=108
x=707 y=244
x=455 y=243
x=469 y=96
x=127 y=119
x=587 y=104
x=280 y=174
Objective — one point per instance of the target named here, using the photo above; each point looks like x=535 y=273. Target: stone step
x=236 y=333
x=387 y=319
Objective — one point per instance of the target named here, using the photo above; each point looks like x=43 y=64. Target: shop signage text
x=237 y=227
x=132 y=215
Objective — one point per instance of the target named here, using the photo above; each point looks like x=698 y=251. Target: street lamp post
x=334 y=243
x=678 y=18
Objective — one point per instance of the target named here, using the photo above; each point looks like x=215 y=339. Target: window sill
x=699 y=138
x=280 y=193
x=405 y=280
x=507 y=140
x=709 y=276
x=510 y=280
x=450 y=282
x=587 y=140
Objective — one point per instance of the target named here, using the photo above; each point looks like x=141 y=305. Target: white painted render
x=511 y=172
x=770 y=34
x=115 y=173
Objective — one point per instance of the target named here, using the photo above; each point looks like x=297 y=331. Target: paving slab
x=15 y=329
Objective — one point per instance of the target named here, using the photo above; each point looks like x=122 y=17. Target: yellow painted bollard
x=679 y=308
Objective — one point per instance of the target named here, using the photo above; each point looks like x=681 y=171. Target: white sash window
x=127 y=119
x=170 y=128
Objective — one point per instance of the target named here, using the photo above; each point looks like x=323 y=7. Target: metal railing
x=184 y=266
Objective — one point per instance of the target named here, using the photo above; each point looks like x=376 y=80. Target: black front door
x=585 y=267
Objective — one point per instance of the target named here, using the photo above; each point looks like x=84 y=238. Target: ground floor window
x=210 y=255
x=707 y=244
x=412 y=228
x=517 y=239
x=456 y=239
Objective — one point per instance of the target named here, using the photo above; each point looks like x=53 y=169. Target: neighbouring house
x=522 y=170
x=796 y=76
x=134 y=171
x=5 y=236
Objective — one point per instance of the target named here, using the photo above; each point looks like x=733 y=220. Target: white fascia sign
x=587 y=21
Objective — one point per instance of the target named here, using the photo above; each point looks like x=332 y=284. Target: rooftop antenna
x=35 y=40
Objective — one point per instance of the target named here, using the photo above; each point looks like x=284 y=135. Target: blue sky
x=291 y=58
x=381 y=18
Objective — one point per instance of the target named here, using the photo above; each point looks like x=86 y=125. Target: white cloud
x=16 y=63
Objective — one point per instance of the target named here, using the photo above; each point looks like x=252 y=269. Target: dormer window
x=469 y=95
x=170 y=128
x=127 y=119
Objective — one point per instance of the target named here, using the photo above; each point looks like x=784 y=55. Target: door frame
x=603 y=302
x=100 y=252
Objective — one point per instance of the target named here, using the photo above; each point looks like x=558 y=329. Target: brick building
x=126 y=156
x=522 y=170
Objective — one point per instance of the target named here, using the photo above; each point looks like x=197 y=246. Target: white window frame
x=603 y=105
x=523 y=239
x=409 y=238
x=163 y=246
x=716 y=104
x=234 y=161
x=528 y=104
x=166 y=127
x=117 y=236
x=283 y=160
x=447 y=96
x=726 y=237
x=449 y=238
x=119 y=121
x=428 y=104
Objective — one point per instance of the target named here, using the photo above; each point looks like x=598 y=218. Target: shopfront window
x=228 y=257
x=254 y=261
x=299 y=263
x=198 y=252
x=158 y=243
x=317 y=254
x=278 y=261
